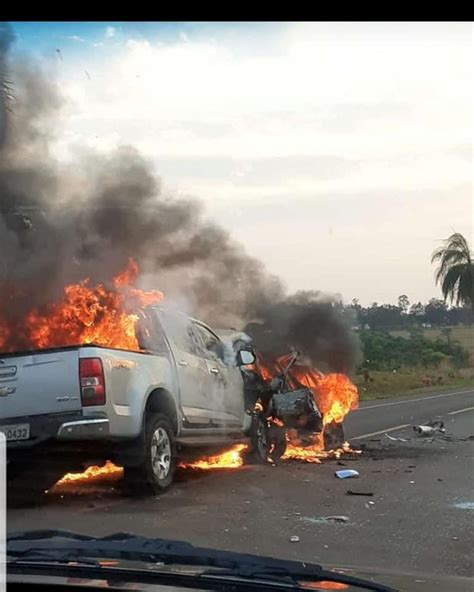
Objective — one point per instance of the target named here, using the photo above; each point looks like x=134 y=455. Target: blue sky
x=350 y=140
x=80 y=36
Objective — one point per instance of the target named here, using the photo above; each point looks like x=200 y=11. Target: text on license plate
x=18 y=431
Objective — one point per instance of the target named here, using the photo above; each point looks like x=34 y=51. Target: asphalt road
x=419 y=519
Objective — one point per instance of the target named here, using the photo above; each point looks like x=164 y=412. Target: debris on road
x=325 y=519
x=294 y=539
x=394 y=439
x=366 y=493
x=430 y=428
x=346 y=473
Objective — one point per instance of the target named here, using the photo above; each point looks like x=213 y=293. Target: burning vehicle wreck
x=141 y=383
x=281 y=395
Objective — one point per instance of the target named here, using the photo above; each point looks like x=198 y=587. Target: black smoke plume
x=60 y=224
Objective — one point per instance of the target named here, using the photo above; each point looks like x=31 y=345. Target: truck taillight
x=91 y=378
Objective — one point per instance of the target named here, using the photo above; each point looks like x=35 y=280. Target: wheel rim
x=160 y=453
x=262 y=438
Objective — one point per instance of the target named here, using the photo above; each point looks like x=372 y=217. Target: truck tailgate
x=40 y=383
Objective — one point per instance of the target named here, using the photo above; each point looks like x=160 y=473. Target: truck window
x=211 y=345
x=150 y=336
x=180 y=331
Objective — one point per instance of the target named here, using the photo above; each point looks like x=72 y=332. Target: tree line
x=403 y=315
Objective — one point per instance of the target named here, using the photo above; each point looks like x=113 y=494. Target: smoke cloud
x=60 y=224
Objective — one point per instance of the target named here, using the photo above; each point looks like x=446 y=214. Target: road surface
x=420 y=520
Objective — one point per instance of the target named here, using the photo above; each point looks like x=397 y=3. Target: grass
x=387 y=384
x=410 y=380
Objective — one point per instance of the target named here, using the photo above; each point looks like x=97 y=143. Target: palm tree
x=456 y=270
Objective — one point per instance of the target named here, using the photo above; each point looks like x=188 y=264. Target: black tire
x=156 y=471
x=333 y=435
x=267 y=441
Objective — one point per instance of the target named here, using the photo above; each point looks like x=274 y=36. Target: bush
x=383 y=351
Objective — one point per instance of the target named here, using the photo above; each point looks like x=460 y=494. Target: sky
x=338 y=153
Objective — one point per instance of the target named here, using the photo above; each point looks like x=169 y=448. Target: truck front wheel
x=155 y=473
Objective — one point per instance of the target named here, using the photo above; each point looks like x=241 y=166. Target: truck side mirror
x=245 y=357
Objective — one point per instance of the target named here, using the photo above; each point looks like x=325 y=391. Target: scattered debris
x=464 y=505
x=346 y=473
x=366 y=493
x=430 y=428
x=395 y=439
x=412 y=482
x=294 y=539
x=325 y=519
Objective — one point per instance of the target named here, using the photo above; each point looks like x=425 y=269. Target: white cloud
x=235 y=126
x=110 y=32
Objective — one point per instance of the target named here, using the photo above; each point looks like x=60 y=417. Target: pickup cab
x=61 y=407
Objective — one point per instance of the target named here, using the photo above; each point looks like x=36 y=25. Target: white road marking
x=399 y=427
x=413 y=400
x=460 y=410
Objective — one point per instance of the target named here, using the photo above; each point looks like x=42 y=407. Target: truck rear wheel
x=155 y=473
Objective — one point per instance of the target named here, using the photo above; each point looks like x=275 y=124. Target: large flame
x=314 y=452
x=334 y=394
x=230 y=459
x=108 y=472
x=86 y=314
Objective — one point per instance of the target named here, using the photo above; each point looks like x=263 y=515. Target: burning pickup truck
x=141 y=386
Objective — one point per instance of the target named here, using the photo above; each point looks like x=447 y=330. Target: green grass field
x=387 y=384
x=410 y=381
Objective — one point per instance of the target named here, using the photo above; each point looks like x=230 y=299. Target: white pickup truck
x=61 y=406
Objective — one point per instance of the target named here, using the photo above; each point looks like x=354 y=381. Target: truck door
x=191 y=369
x=226 y=392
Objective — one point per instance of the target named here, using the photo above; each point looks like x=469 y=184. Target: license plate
x=18 y=431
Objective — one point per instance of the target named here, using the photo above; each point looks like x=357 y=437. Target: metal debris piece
x=325 y=519
x=430 y=428
x=337 y=518
x=346 y=473
x=294 y=539
x=394 y=439
x=366 y=493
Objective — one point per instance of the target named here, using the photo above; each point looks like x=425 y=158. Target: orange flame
x=86 y=314
x=92 y=474
x=335 y=394
x=230 y=459
x=324 y=585
x=315 y=452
